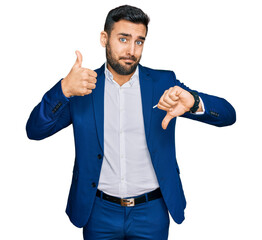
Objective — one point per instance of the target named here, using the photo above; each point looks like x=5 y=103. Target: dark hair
x=125 y=12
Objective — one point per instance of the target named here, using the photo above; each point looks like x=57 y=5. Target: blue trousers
x=110 y=221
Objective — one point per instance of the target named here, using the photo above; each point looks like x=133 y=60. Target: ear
x=103 y=38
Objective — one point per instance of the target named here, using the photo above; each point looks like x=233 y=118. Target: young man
x=125 y=177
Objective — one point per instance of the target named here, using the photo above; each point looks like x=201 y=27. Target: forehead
x=127 y=27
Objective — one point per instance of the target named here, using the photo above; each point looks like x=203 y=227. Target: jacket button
x=99 y=156
x=93 y=184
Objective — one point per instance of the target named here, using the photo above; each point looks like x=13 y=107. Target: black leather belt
x=130 y=202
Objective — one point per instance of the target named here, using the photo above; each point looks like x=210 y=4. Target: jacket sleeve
x=50 y=115
x=218 y=111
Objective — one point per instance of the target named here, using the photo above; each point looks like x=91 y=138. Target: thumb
x=166 y=121
x=79 y=59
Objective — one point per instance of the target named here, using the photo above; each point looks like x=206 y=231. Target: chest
x=123 y=108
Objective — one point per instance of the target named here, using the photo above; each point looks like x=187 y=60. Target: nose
x=131 y=49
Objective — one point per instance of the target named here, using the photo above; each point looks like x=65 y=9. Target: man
x=125 y=177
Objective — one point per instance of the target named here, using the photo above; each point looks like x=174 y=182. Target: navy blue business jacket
x=86 y=113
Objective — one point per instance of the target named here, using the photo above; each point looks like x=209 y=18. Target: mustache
x=133 y=58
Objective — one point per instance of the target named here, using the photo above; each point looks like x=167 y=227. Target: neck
x=120 y=79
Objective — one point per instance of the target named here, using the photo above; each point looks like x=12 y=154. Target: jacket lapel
x=98 y=100
x=146 y=88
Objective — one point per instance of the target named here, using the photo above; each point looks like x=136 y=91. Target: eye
x=122 y=40
x=139 y=43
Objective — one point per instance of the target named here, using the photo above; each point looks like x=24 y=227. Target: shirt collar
x=133 y=79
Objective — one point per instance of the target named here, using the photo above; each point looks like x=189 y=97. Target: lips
x=128 y=59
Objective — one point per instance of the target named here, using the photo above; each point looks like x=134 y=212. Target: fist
x=79 y=81
x=176 y=101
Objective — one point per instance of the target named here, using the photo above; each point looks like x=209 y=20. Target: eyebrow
x=129 y=35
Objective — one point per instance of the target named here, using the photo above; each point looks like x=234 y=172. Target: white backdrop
x=213 y=46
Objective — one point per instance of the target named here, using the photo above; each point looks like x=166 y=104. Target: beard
x=126 y=69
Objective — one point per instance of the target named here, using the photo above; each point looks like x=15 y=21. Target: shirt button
x=93 y=184
x=99 y=156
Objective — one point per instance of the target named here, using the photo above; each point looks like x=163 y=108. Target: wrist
x=195 y=106
x=65 y=88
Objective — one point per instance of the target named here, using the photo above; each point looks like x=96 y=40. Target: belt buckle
x=130 y=202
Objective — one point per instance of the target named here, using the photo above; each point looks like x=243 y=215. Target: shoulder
x=100 y=70
x=157 y=72
x=154 y=71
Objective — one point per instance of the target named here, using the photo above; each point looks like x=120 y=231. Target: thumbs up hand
x=176 y=101
x=79 y=81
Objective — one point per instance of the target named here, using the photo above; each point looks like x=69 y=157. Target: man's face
x=124 y=46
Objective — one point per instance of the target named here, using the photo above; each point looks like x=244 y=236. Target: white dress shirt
x=127 y=168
